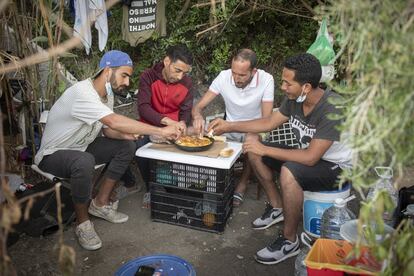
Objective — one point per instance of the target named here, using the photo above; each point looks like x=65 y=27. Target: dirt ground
x=230 y=253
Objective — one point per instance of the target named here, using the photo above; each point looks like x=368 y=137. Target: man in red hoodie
x=165 y=97
x=165 y=91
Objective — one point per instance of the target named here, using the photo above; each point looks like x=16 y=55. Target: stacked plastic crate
x=191 y=196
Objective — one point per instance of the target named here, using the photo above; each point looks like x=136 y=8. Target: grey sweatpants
x=79 y=166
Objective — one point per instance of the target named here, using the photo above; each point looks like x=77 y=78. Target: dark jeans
x=143 y=163
x=323 y=176
x=79 y=166
x=143 y=166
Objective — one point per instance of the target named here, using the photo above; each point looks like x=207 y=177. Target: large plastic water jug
x=334 y=217
x=315 y=203
x=385 y=175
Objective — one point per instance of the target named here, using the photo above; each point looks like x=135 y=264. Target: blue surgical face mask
x=301 y=98
x=108 y=88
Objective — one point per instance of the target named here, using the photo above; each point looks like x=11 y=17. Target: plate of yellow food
x=194 y=143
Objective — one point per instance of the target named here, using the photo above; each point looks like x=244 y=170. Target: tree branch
x=183 y=10
x=307 y=6
x=51 y=52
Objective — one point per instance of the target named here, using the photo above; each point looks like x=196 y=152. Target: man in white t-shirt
x=248 y=94
x=71 y=147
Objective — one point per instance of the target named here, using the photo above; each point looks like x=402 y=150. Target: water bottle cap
x=384 y=172
x=339 y=202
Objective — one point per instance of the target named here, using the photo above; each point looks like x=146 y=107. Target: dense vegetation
x=273 y=30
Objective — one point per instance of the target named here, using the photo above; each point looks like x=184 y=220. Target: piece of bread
x=227 y=152
x=219 y=138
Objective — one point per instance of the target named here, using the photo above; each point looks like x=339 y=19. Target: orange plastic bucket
x=335 y=258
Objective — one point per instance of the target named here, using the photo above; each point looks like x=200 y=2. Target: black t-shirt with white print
x=317 y=125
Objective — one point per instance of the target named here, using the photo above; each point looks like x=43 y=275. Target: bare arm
x=308 y=157
x=198 y=119
x=114 y=134
x=256 y=126
x=170 y=122
x=267 y=109
x=124 y=124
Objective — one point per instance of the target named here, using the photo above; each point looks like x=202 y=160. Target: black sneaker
x=278 y=251
x=270 y=217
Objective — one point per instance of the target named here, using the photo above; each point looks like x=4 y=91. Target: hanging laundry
x=88 y=11
x=141 y=18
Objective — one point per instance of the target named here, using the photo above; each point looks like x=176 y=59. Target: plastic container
x=334 y=258
x=190 y=177
x=191 y=209
x=349 y=232
x=300 y=266
x=384 y=183
x=315 y=203
x=162 y=264
x=334 y=217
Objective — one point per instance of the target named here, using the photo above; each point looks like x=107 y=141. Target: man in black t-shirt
x=314 y=166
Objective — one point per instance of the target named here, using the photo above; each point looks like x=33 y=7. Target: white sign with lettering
x=141 y=15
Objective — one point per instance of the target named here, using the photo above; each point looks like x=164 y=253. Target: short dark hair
x=180 y=52
x=247 y=54
x=307 y=69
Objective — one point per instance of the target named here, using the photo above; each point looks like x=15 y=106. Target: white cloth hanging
x=98 y=14
x=87 y=11
x=82 y=24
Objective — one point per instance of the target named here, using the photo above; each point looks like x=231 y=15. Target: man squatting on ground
x=248 y=94
x=71 y=147
x=315 y=166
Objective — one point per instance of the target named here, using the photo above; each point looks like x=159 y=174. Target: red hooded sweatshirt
x=158 y=99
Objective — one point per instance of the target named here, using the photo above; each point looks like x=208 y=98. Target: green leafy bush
x=272 y=34
x=377 y=44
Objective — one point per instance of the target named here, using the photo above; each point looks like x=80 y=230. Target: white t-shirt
x=244 y=104
x=73 y=121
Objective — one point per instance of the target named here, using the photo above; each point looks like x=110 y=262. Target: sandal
x=237 y=199
x=146 y=201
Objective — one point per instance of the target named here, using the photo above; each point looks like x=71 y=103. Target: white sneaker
x=115 y=205
x=278 y=251
x=270 y=217
x=107 y=212
x=87 y=236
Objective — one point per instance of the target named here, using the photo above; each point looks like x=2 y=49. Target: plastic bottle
x=300 y=266
x=384 y=183
x=334 y=217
